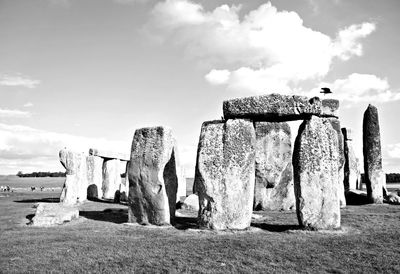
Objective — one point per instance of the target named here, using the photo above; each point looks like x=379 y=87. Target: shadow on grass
x=112 y=215
x=276 y=227
x=29 y=217
x=183 y=223
x=108 y=201
x=43 y=200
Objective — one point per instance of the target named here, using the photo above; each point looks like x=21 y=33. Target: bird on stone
x=325 y=91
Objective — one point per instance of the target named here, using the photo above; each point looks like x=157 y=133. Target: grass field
x=100 y=242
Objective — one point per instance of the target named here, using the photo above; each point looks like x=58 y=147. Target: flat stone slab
x=273 y=107
x=52 y=214
x=109 y=154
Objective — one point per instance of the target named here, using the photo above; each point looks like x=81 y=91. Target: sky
x=88 y=73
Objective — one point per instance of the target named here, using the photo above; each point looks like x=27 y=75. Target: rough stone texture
x=272 y=107
x=109 y=154
x=94 y=176
x=374 y=176
x=124 y=186
x=225 y=174
x=335 y=123
x=315 y=165
x=347 y=134
x=152 y=177
x=352 y=174
x=330 y=107
x=274 y=188
x=111 y=178
x=191 y=202
x=50 y=214
x=75 y=187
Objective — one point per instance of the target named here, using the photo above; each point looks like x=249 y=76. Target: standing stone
x=152 y=177
x=124 y=186
x=374 y=176
x=274 y=188
x=94 y=176
x=225 y=174
x=335 y=123
x=352 y=172
x=111 y=178
x=75 y=187
x=315 y=165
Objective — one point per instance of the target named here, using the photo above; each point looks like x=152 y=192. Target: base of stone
x=52 y=214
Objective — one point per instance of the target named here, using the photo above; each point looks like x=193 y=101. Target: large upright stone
x=111 y=178
x=274 y=188
x=335 y=123
x=152 y=177
x=75 y=187
x=374 y=176
x=315 y=165
x=352 y=174
x=272 y=107
x=94 y=176
x=225 y=174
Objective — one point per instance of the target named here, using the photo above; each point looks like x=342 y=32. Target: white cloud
x=28 y=104
x=393 y=151
x=347 y=42
x=265 y=49
x=361 y=88
x=28 y=145
x=218 y=77
x=18 y=81
x=14 y=113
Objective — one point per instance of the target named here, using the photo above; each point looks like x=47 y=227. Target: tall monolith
x=274 y=188
x=315 y=166
x=225 y=174
x=94 y=176
x=152 y=175
x=352 y=174
x=374 y=176
x=111 y=178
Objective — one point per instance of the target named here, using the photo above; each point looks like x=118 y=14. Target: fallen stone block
x=274 y=188
x=51 y=214
x=392 y=198
x=225 y=174
x=191 y=202
x=272 y=107
x=315 y=165
x=375 y=178
x=152 y=175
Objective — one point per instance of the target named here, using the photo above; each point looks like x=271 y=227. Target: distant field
x=100 y=242
x=17 y=182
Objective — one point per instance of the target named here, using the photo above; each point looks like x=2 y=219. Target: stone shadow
x=112 y=215
x=184 y=223
x=276 y=227
x=43 y=200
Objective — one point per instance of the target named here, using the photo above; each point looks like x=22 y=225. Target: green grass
x=100 y=242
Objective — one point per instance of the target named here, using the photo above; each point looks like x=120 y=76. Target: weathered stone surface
x=76 y=183
x=352 y=174
x=272 y=107
x=109 y=154
x=124 y=186
x=94 y=176
x=315 y=165
x=330 y=107
x=274 y=188
x=152 y=177
x=335 y=123
x=191 y=202
x=374 y=176
x=111 y=178
x=225 y=174
x=347 y=134
x=50 y=214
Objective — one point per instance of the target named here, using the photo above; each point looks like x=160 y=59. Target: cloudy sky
x=87 y=73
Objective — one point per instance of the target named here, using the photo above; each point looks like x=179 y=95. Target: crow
x=325 y=91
